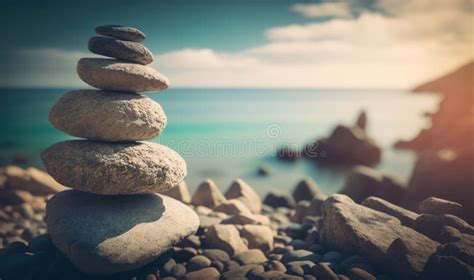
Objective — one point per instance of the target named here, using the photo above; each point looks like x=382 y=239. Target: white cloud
x=332 y=9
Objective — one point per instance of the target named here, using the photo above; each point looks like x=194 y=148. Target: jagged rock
x=120 y=49
x=306 y=189
x=314 y=208
x=277 y=199
x=258 y=237
x=114 y=168
x=438 y=206
x=406 y=217
x=119 y=75
x=121 y=32
x=353 y=228
x=179 y=192
x=232 y=207
x=242 y=191
x=208 y=194
x=432 y=225
x=31 y=180
x=224 y=237
x=108 y=116
x=109 y=234
x=301 y=210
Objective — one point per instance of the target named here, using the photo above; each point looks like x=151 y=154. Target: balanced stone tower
x=113 y=220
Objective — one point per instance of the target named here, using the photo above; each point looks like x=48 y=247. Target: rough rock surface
x=105 y=234
x=306 y=189
x=406 y=217
x=232 y=207
x=119 y=168
x=179 y=192
x=277 y=199
x=240 y=190
x=438 y=206
x=118 y=75
x=124 y=50
x=350 y=227
x=108 y=116
x=121 y=32
x=208 y=194
x=226 y=238
x=31 y=180
x=258 y=237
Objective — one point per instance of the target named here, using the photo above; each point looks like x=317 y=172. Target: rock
x=229 y=265
x=446 y=267
x=332 y=257
x=242 y=271
x=406 y=217
x=364 y=181
x=277 y=199
x=225 y=237
x=301 y=210
x=179 y=270
x=14 y=197
x=207 y=221
x=360 y=274
x=121 y=32
x=324 y=272
x=240 y=190
x=76 y=224
x=41 y=243
x=192 y=241
x=119 y=75
x=119 y=168
x=108 y=116
x=306 y=189
x=295 y=270
x=447 y=235
x=298 y=255
x=179 y=192
x=272 y=275
x=462 y=250
x=232 y=207
x=197 y=263
x=438 y=206
x=184 y=254
x=352 y=228
x=247 y=219
x=125 y=50
x=433 y=225
x=314 y=208
x=218 y=265
x=288 y=153
x=275 y=265
x=31 y=180
x=263 y=170
x=209 y=273
x=208 y=194
x=259 y=237
x=216 y=255
x=253 y=256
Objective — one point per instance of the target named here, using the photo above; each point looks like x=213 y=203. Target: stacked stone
x=113 y=220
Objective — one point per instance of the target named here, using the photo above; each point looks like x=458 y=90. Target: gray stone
x=277 y=199
x=253 y=256
x=179 y=192
x=446 y=267
x=241 y=272
x=323 y=271
x=121 y=32
x=208 y=273
x=360 y=274
x=258 y=237
x=208 y=194
x=433 y=225
x=125 y=50
x=216 y=255
x=306 y=189
x=225 y=237
x=242 y=191
x=406 y=217
x=109 y=234
x=232 y=207
x=247 y=219
x=301 y=210
x=296 y=255
x=438 y=206
x=197 y=263
x=352 y=228
x=119 y=75
x=118 y=168
x=275 y=265
x=108 y=116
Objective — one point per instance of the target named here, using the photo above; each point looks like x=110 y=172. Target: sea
x=224 y=134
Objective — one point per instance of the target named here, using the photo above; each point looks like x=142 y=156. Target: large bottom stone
x=110 y=234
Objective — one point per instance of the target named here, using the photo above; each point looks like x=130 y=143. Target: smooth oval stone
x=108 y=234
x=108 y=116
x=114 y=168
x=119 y=75
x=121 y=32
x=120 y=49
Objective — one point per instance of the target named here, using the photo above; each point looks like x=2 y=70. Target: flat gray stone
x=121 y=32
x=125 y=50
x=406 y=217
x=109 y=234
x=114 y=168
x=438 y=206
x=119 y=75
x=108 y=116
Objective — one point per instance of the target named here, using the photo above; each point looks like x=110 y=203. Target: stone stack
x=113 y=220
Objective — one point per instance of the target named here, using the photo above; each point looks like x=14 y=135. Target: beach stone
x=252 y=256
x=246 y=219
x=258 y=237
x=197 y=263
x=277 y=199
x=206 y=273
x=179 y=192
x=332 y=257
x=314 y=208
x=446 y=267
x=229 y=265
x=306 y=189
x=179 y=270
x=296 y=255
x=185 y=254
x=32 y=180
x=272 y=275
x=207 y=221
x=120 y=49
x=242 y=271
x=119 y=75
x=295 y=270
x=305 y=265
x=438 y=206
x=15 y=197
x=111 y=169
x=301 y=210
x=218 y=265
x=324 y=272
x=406 y=217
x=225 y=237
x=242 y=191
x=192 y=241
x=462 y=249
x=274 y=265
x=360 y=274
x=232 y=207
x=121 y=32
x=433 y=225
x=216 y=255
x=108 y=116
x=208 y=194
x=352 y=228
x=76 y=224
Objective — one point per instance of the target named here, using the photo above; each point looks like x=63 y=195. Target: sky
x=246 y=44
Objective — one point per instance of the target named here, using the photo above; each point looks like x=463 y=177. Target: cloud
x=333 y=9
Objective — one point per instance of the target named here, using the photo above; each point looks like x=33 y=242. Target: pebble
x=225 y=237
x=208 y=195
x=243 y=192
x=360 y=274
x=216 y=255
x=323 y=271
x=208 y=273
x=121 y=32
x=274 y=265
x=252 y=256
x=197 y=263
x=120 y=49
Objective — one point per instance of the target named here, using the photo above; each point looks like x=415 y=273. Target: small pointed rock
x=242 y=191
x=306 y=189
x=180 y=192
x=232 y=207
x=208 y=194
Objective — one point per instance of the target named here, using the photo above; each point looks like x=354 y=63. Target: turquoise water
x=229 y=133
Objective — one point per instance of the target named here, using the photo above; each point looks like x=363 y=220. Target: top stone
x=121 y=32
